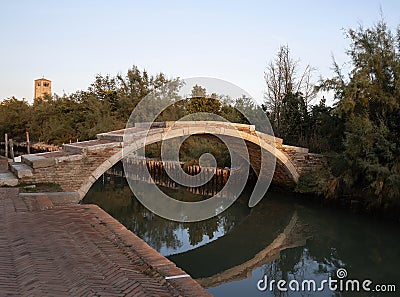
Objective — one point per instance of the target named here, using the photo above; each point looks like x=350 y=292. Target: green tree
x=294 y=119
x=201 y=102
x=325 y=129
x=14 y=118
x=198 y=92
x=369 y=104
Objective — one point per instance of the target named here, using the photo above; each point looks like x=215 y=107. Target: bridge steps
x=21 y=170
x=37 y=160
x=118 y=135
x=90 y=146
x=7 y=178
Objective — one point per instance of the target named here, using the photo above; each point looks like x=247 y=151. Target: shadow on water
x=284 y=237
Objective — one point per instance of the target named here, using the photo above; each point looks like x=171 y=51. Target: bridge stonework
x=78 y=165
x=68 y=170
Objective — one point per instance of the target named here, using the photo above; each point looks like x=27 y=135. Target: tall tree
x=294 y=119
x=369 y=103
x=14 y=118
x=281 y=78
x=198 y=91
x=200 y=102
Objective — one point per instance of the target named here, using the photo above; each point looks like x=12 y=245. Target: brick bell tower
x=42 y=86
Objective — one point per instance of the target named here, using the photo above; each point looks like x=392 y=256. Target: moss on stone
x=39 y=188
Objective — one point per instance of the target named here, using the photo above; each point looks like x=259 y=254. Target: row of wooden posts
x=9 y=145
x=158 y=174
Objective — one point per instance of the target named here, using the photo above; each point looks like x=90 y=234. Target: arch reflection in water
x=293 y=236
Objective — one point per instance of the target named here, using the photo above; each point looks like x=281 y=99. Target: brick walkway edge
x=78 y=250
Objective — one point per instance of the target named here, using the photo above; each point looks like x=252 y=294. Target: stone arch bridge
x=78 y=165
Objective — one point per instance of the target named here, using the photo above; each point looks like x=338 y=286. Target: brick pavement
x=78 y=250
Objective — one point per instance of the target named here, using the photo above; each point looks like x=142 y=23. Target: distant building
x=42 y=87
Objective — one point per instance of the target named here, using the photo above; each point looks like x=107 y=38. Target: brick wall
x=303 y=160
x=71 y=173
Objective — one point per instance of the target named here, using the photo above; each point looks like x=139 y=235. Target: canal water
x=284 y=237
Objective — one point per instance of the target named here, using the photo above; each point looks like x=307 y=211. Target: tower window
x=46 y=84
x=38 y=84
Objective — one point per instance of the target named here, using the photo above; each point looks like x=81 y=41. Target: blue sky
x=70 y=42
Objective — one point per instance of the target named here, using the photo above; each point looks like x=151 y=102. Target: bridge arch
x=245 y=132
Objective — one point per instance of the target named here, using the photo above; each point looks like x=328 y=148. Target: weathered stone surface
x=111 y=136
x=8 y=179
x=294 y=149
x=36 y=201
x=56 y=198
x=69 y=158
x=73 y=149
x=21 y=170
x=37 y=161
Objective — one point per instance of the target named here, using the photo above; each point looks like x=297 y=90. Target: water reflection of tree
x=294 y=264
x=279 y=269
x=199 y=229
x=153 y=229
x=115 y=197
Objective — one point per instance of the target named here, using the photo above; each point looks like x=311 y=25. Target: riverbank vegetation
x=360 y=132
x=365 y=165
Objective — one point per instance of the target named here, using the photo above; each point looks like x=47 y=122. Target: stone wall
x=304 y=161
x=312 y=162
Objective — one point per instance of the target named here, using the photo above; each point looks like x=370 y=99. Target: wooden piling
x=28 y=145
x=6 y=144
